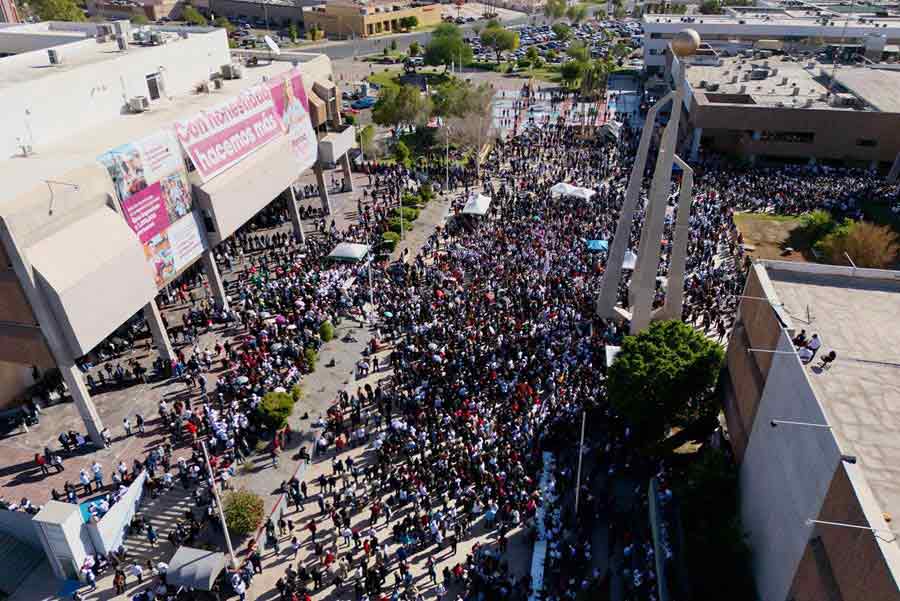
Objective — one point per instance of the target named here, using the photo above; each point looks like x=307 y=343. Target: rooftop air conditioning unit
x=53 y=55
x=784 y=80
x=138 y=104
x=795 y=92
x=232 y=71
x=712 y=87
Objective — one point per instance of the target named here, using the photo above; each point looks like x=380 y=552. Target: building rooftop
x=796 y=83
x=856 y=316
x=82 y=50
x=879 y=88
x=22 y=174
x=787 y=18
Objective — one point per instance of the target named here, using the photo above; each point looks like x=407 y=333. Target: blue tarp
x=598 y=245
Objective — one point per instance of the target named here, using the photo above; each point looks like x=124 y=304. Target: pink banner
x=292 y=108
x=146 y=212
x=218 y=139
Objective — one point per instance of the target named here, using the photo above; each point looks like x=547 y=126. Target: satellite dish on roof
x=272 y=45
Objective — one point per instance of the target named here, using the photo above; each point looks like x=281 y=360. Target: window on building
x=792 y=137
x=655 y=36
x=867 y=143
x=154 y=86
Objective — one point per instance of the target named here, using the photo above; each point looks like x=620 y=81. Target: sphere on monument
x=685 y=42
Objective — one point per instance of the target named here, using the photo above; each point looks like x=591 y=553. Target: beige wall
x=730 y=127
x=15 y=378
x=757 y=327
x=340 y=20
x=843 y=563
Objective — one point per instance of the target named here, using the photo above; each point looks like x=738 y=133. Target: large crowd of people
x=488 y=351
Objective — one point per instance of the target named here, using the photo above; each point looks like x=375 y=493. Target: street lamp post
x=215 y=491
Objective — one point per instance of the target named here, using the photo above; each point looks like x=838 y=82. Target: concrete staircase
x=164 y=513
x=17 y=561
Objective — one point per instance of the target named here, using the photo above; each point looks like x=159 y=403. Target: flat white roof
x=22 y=174
x=29 y=66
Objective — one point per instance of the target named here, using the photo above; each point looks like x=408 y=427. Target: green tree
x=471 y=127
x=563 y=32
x=243 y=511
x=555 y=9
x=499 y=40
x=415 y=49
x=595 y=76
x=293 y=32
x=140 y=19
x=401 y=105
x=409 y=22
x=867 y=245
x=447 y=47
x=275 y=409
x=664 y=378
x=711 y=7
x=402 y=154
x=57 y=10
x=571 y=71
x=192 y=16
x=576 y=13
x=367 y=140
x=579 y=51
x=393 y=45
x=224 y=23
x=715 y=543
x=532 y=56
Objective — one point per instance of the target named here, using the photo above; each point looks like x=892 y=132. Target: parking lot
x=600 y=37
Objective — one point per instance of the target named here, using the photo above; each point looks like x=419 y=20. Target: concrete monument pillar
x=348 y=173
x=323 y=188
x=612 y=277
x=216 y=286
x=642 y=291
x=158 y=331
x=294 y=212
x=678 y=254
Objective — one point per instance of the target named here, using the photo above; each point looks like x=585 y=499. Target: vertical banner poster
x=154 y=193
x=292 y=110
x=219 y=138
x=186 y=240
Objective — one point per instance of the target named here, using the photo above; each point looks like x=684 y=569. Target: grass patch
x=546 y=73
x=388 y=77
x=744 y=217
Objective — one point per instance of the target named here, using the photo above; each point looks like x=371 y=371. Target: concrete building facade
x=812 y=494
x=739 y=30
x=347 y=19
x=94 y=138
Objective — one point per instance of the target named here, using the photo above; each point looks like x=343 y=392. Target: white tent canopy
x=478 y=205
x=195 y=568
x=564 y=189
x=349 y=251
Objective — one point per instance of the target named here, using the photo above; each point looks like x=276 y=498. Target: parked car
x=364 y=103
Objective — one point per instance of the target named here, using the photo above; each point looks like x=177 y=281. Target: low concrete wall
x=107 y=534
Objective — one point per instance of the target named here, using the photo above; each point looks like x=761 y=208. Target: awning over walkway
x=238 y=194
x=479 y=204
x=94 y=275
x=195 y=568
x=349 y=251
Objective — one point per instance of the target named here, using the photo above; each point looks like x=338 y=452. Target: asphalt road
x=362 y=47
